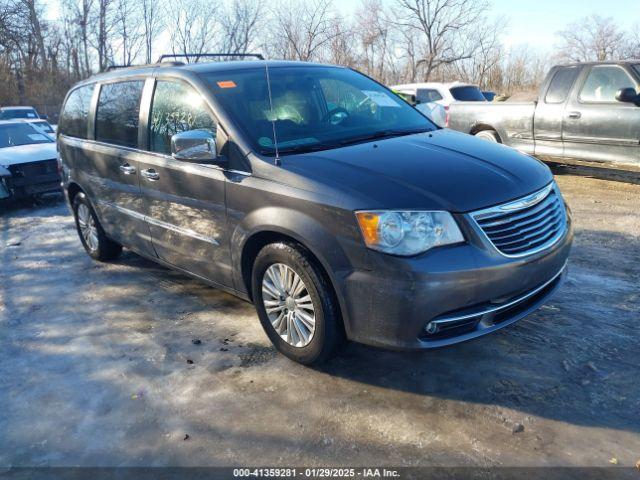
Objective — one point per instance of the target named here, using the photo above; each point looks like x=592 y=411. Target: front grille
x=527 y=225
x=33 y=169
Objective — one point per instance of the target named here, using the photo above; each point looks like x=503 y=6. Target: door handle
x=127 y=169
x=574 y=115
x=150 y=174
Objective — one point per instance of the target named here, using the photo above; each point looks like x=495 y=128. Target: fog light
x=432 y=327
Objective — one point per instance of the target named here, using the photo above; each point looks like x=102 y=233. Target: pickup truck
x=584 y=112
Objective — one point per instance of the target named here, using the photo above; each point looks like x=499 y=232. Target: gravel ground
x=98 y=366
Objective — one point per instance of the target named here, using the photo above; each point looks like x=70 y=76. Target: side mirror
x=195 y=146
x=628 y=95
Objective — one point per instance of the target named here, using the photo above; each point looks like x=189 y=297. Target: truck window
x=467 y=94
x=118 y=113
x=561 y=84
x=428 y=95
x=75 y=113
x=603 y=82
x=176 y=107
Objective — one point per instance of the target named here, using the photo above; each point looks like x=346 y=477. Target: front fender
x=338 y=254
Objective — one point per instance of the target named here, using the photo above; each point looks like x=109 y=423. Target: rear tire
x=303 y=321
x=92 y=236
x=489 y=135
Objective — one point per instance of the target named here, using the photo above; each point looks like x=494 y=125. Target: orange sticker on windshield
x=227 y=84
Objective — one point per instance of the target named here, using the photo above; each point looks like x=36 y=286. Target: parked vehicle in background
x=433 y=99
x=45 y=126
x=434 y=111
x=584 y=111
x=9 y=113
x=28 y=165
x=317 y=194
x=442 y=93
x=490 y=96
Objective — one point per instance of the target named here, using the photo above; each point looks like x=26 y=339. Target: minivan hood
x=27 y=153
x=435 y=170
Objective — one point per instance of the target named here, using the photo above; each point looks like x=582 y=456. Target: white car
x=28 y=164
x=442 y=93
x=11 y=113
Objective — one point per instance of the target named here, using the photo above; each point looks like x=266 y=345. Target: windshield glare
x=14 y=134
x=313 y=108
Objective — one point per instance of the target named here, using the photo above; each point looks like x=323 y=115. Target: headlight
x=407 y=232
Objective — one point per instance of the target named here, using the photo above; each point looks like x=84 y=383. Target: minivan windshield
x=314 y=108
x=14 y=134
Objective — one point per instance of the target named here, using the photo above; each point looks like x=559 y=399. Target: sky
x=536 y=22
x=532 y=22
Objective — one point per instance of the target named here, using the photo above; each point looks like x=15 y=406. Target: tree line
x=395 y=41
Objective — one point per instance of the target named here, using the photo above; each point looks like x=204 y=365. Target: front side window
x=313 y=107
x=75 y=113
x=561 y=84
x=428 y=95
x=15 y=134
x=603 y=82
x=118 y=112
x=176 y=107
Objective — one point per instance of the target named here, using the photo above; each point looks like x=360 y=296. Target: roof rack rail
x=116 y=67
x=210 y=55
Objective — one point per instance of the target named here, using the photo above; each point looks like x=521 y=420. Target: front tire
x=94 y=240
x=295 y=303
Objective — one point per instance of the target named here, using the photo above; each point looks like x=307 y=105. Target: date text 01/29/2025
x=315 y=473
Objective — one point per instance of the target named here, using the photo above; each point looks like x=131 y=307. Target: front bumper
x=32 y=178
x=465 y=291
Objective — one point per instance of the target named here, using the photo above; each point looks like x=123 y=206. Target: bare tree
x=34 y=12
x=374 y=32
x=128 y=30
x=591 y=38
x=153 y=23
x=487 y=56
x=103 y=21
x=302 y=29
x=444 y=30
x=193 y=27
x=240 y=22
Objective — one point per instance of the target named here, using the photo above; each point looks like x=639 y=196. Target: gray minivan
x=316 y=193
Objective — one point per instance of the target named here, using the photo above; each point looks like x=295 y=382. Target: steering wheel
x=332 y=113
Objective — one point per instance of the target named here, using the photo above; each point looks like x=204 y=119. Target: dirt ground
x=98 y=366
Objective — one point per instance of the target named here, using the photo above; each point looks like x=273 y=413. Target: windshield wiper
x=381 y=134
x=307 y=148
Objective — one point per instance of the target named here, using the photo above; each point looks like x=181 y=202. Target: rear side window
x=428 y=95
x=467 y=94
x=561 y=84
x=75 y=113
x=176 y=108
x=118 y=113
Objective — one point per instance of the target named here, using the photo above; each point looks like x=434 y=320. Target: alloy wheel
x=288 y=304
x=88 y=228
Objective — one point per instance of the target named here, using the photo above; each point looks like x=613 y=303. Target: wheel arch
x=72 y=190
x=481 y=126
x=321 y=246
